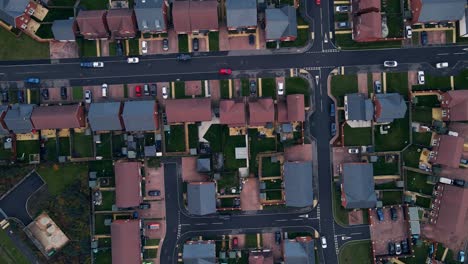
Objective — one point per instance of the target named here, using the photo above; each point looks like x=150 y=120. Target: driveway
x=154 y=180
x=15 y=201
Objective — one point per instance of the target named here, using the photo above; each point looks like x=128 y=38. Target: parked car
x=154 y=193
x=391 y=248
x=119 y=48
x=32 y=80
x=63 y=93
x=393 y=213
x=235 y=241
x=459 y=183
x=404 y=246
x=135 y=215
x=5 y=96
x=431 y=250
x=342 y=24
x=144 y=47
x=317 y=2
x=44 y=94
x=253 y=87
x=421 y=78
x=390 y=63
x=461 y=256
x=378 y=87
x=146 y=90
x=165 y=92
x=408 y=31
x=323 y=240
x=153 y=89
x=138 y=91
x=441 y=65
x=184 y=57
x=133 y=60
x=195 y=44
x=145 y=206
x=278 y=237
x=90 y=64
x=424 y=39
x=251 y=39
x=20 y=96
x=353 y=151
x=98 y=64
x=88 y=96
x=104 y=90
x=280 y=88
x=333 y=129
x=380 y=214
x=342 y=9
x=153 y=226
x=332 y=110
x=398 y=248
x=225 y=71
x=165 y=44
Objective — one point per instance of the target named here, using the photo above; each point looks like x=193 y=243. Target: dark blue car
x=86 y=64
x=380 y=214
x=33 y=80
x=424 y=39
x=332 y=110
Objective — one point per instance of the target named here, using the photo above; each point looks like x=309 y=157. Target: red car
x=317 y=2
x=138 y=91
x=225 y=71
x=234 y=242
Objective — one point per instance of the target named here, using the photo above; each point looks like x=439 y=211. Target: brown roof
x=460 y=128
x=188 y=110
x=127 y=184
x=449 y=151
x=58 y=117
x=363 y=6
x=456 y=104
x=193 y=88
x=296 y=110
x=367 y=27
x=195 y=15
x=232 y=113
x=122 y=23
x=181 y=16
x=126 y=241
x=261 y=112
x=298 y=153
x=282 y=113
x=92 y=24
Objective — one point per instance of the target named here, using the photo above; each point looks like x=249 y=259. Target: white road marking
x=199 y=224
x=282 y=220
x=442 y=54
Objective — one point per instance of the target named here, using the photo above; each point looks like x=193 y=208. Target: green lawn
x=392 y=10
x=13 y=96
x=392 y=197
x=423 y=202
x=270 y=168
x=179 y=88
x=57 y=14
x=422 y=115
x=342 y=85
x=397 y=137
x=420 y=254
x=133 y=47
x=104 y=168
x=152 y=242
x=245 y=89
x=411 y=156
x=423 y=138
x=434 y=83
x=175 y=139
x=215 y=135
x=82 y=145
x=34 y=96
x=64 y=146
x=5 y=154
x=94 y=4
x=193 y=135
x=108 y=199
x=356 y=252
x=87 y=48
x=296 y=85
x=257 y=145
x=273 y=184
x=104 y=256
x=224 y=87
x=461 y=80
x=397 y=82
x=385 y=168
x=385 y=186
x=228 y=180
x=26 y=147
x=274 y=194
x=427 y=100
x=103 y=149
x=125 y=91
x=51 y=149
x=59 y=176
x=214 y=41
x=117 y=143
x=301 y=40
x=416 y=182
x=77 y=93
x=339 y=212
x=183 y=43
x=101 y=229
x=251 y=240
x=9 y=253
x=21 y=48
x=361 y=136
x=269 y=87
x=68 y=3
x=345 y=42
x=150 y=253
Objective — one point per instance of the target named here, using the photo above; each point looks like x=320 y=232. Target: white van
x=104 y=90
x=445 y=180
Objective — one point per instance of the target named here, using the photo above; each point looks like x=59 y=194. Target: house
x=388 y=107
x=367 y=27
x=357 y=186
x=281 y=24
x=127 y=184
x=140 y=116
x=298 y=183
x=3 y=128
x=435 y=11
x=197 y=252
x=201 y=198
x=359 y=110
x=202 y=16
x=126 y=241
x=291 y=110
x=122 y=23
x=300 y=250
x=241 y=14
x=106 y=116
x=264 y=256
x=447 y=150
x=64 y=30
x=188 y=110
x=92 y=24
x=17 y=13
x=365 y=6
x=454 y=105
x=18 y=118
x=58 y=117
x=151 y=15
x=232 y=113
x=261 y=112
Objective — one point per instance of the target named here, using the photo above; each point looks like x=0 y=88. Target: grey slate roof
x=359 y=108
x=358 y=185
x=441 y=10
x=201 y=198
x=204 y=165
x=298 y=183
x=299 y=252
x=199 y=253
x=280 y=22
x=241 y=13
x=63 y=29
x=10 y=9
x=149 y=14
x=392 y=106
x=105 y=116
x=139 y=115
x=3 y=109
x=18 y=118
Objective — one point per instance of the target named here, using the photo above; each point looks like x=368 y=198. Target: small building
x=64 y=30
x=447 y=151
x=388 y=107
x=127 y=184
x=197 y=252
x=17 y=13
x=202 y=16
x=188 y=110
x=359 y=110
x=454 y=105
x=281 y=24
x=436 y=11
x=298 y=183
x=357 y=186
x=58 y=117
x=106 y=116
x=291 y=110
x=300 y=250
x=241 y=14
x=18 y=118
x=232 y=113
x=204 y=165
x=415 y=227
x=140 y=116
x=92 y=24
x=261 y=112
x=201 y=198
x=151 y=15
x=126 y=241
x=122 y=23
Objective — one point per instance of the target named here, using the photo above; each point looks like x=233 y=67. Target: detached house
x=300 y=250
x=92 y=24
x=17 y=13
x=359 y=110
x=64 y=30
x=367 y=21
x=281 y=24
x=151 y=15
x=436 y=11
x=201 y=198
x=121 y=23
x=195 y=16
x=241 y=14
x=388 y=107
x=357 y=186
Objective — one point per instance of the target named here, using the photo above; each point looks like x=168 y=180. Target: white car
x=441 y=65
x=324 y=242
x=390 y=63
x=88 y=96
x=280 y=88
x=342 y=9
x=353 y=151
x=104 y=90
x=421 y=77
x=133 y=60
x=144 y=47
x=165 y=94
x=98 y=64
x=409 y=32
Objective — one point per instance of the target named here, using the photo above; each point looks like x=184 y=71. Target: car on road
x=235 y=242
x=343 y=24
x=88 y=96
x=138 y=91
x=20 y=96
x=390 y=64
x=153 y=89
x=398 y=248
x=253 y=87
x=459 y=183
x=90 y=64
x=225 y=71
x=342 y=9
x=184 y=57
x=63 y=93
x=165 y=44
x=408 y=31
x=393 y=213
x=165 y=92
x=45 y=94
x=146 y=90
x=332 y=109
x=32 y=80
x=144 y=206
x=153 y=226
x=333 y=129
x=251 y=39
x=378 y=87
x=154 y=193
x=280 y=88
x=144 y=47
x=133 y=60
x=424 y=39
x=104 y=90
x=353 y=151
x=323 y=240
x=391 y=248
x=380 y=214
x=421 y=78
x=461 y=256
x=441 y=65
x=195 y=44
x=278 y=237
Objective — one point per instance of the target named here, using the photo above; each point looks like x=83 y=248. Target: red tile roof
x=261 y=112
x=126 y=242
x=195 y=15
x=188 y=110
x=232 y=113
x=456 y=104
x=298 y=153
x=122 y=23
x=296 y=110
x=449 y=151
x=127 y=184
x=363 y=6
x=416 y=7
x=92 y=24
x=181 y=16
x=58 y=117
x=367 y=27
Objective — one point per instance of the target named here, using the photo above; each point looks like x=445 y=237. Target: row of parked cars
x=397 y=248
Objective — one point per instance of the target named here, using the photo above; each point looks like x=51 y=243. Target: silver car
x=390 y=64
x=88 y=96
